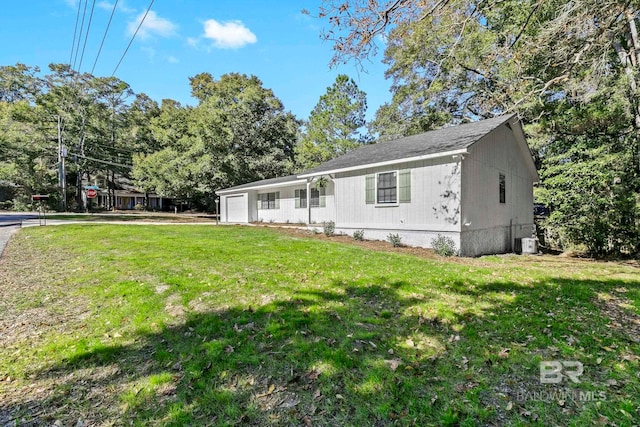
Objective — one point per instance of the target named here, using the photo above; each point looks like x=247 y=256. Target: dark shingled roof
x=436 y=141
x=432 y=142
x=280 y=180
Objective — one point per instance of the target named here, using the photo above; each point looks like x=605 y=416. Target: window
x=269 y=200
x=503 y=189
x=387 y=187
x=317 y=198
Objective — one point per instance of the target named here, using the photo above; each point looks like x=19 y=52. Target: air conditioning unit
x=529 y=245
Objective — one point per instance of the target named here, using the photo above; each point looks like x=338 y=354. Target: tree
x=27 y=152
x=108 y=139
x=19 y=83
x=238 y=133
x=334 y=124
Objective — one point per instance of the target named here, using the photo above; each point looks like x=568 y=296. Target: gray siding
x=435 y=199
x=488 y=225
x=288 y=212
x=434 y=207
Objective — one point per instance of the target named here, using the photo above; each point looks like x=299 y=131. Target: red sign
x=92 y=193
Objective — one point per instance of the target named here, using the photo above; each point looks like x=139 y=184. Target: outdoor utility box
x=529 y=245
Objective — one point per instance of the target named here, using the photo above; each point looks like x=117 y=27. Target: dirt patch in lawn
x=619 y=310
x=33 y=310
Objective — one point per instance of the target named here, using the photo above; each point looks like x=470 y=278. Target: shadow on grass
x=377 y=353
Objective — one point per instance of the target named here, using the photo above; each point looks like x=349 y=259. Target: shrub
x=395 y=240
x=444 y=246
x=139 y=207
x=329 y=228
x=358 y=235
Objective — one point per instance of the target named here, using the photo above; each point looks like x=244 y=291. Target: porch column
x=309 y=200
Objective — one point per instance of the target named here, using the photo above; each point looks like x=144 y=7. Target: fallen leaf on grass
x=269 y=391
x=504 y=353
x=393 y=363
x=289 y=402
x=312 y=375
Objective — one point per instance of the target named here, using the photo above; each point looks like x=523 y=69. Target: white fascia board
x=259 y=187
x=387 y=163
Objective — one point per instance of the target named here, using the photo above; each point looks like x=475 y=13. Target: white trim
x=378 y=204
x=255 y=187
x=387 y=163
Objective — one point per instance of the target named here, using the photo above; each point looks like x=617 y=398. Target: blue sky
x=180 y=38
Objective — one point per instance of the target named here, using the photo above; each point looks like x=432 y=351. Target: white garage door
x=237 y=208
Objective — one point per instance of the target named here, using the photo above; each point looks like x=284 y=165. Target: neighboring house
x=129 y=199
x=472 y=183
x=126 y=197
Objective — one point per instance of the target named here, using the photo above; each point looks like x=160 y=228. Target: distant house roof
x=436 y=143
x=445 y=140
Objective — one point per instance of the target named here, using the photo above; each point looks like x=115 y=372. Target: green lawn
x=203 y=325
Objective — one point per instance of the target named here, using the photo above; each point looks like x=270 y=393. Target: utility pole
x=62 y=176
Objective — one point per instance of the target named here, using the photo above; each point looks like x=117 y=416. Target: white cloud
x=106 y=5
x=228 y=35
x=382 y=39
x=72 y=3
x=193 y=42
x=152 y=25
x=172 y=60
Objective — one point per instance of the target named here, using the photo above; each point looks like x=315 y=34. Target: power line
x=105 y=36
x=132 y=38
x=102 y=161
x=75 y=59
x=75 y=31
x=86 y=37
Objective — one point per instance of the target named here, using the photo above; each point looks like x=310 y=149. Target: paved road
x=10 y=222
x=15 y=218
x=5 y=235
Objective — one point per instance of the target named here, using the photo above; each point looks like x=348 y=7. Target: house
x=472 y=183
x=125 y=196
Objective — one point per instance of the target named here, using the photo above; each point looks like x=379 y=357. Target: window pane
x=387 y=187
x=315 y=197
x=303 y=198
x=503 y=191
